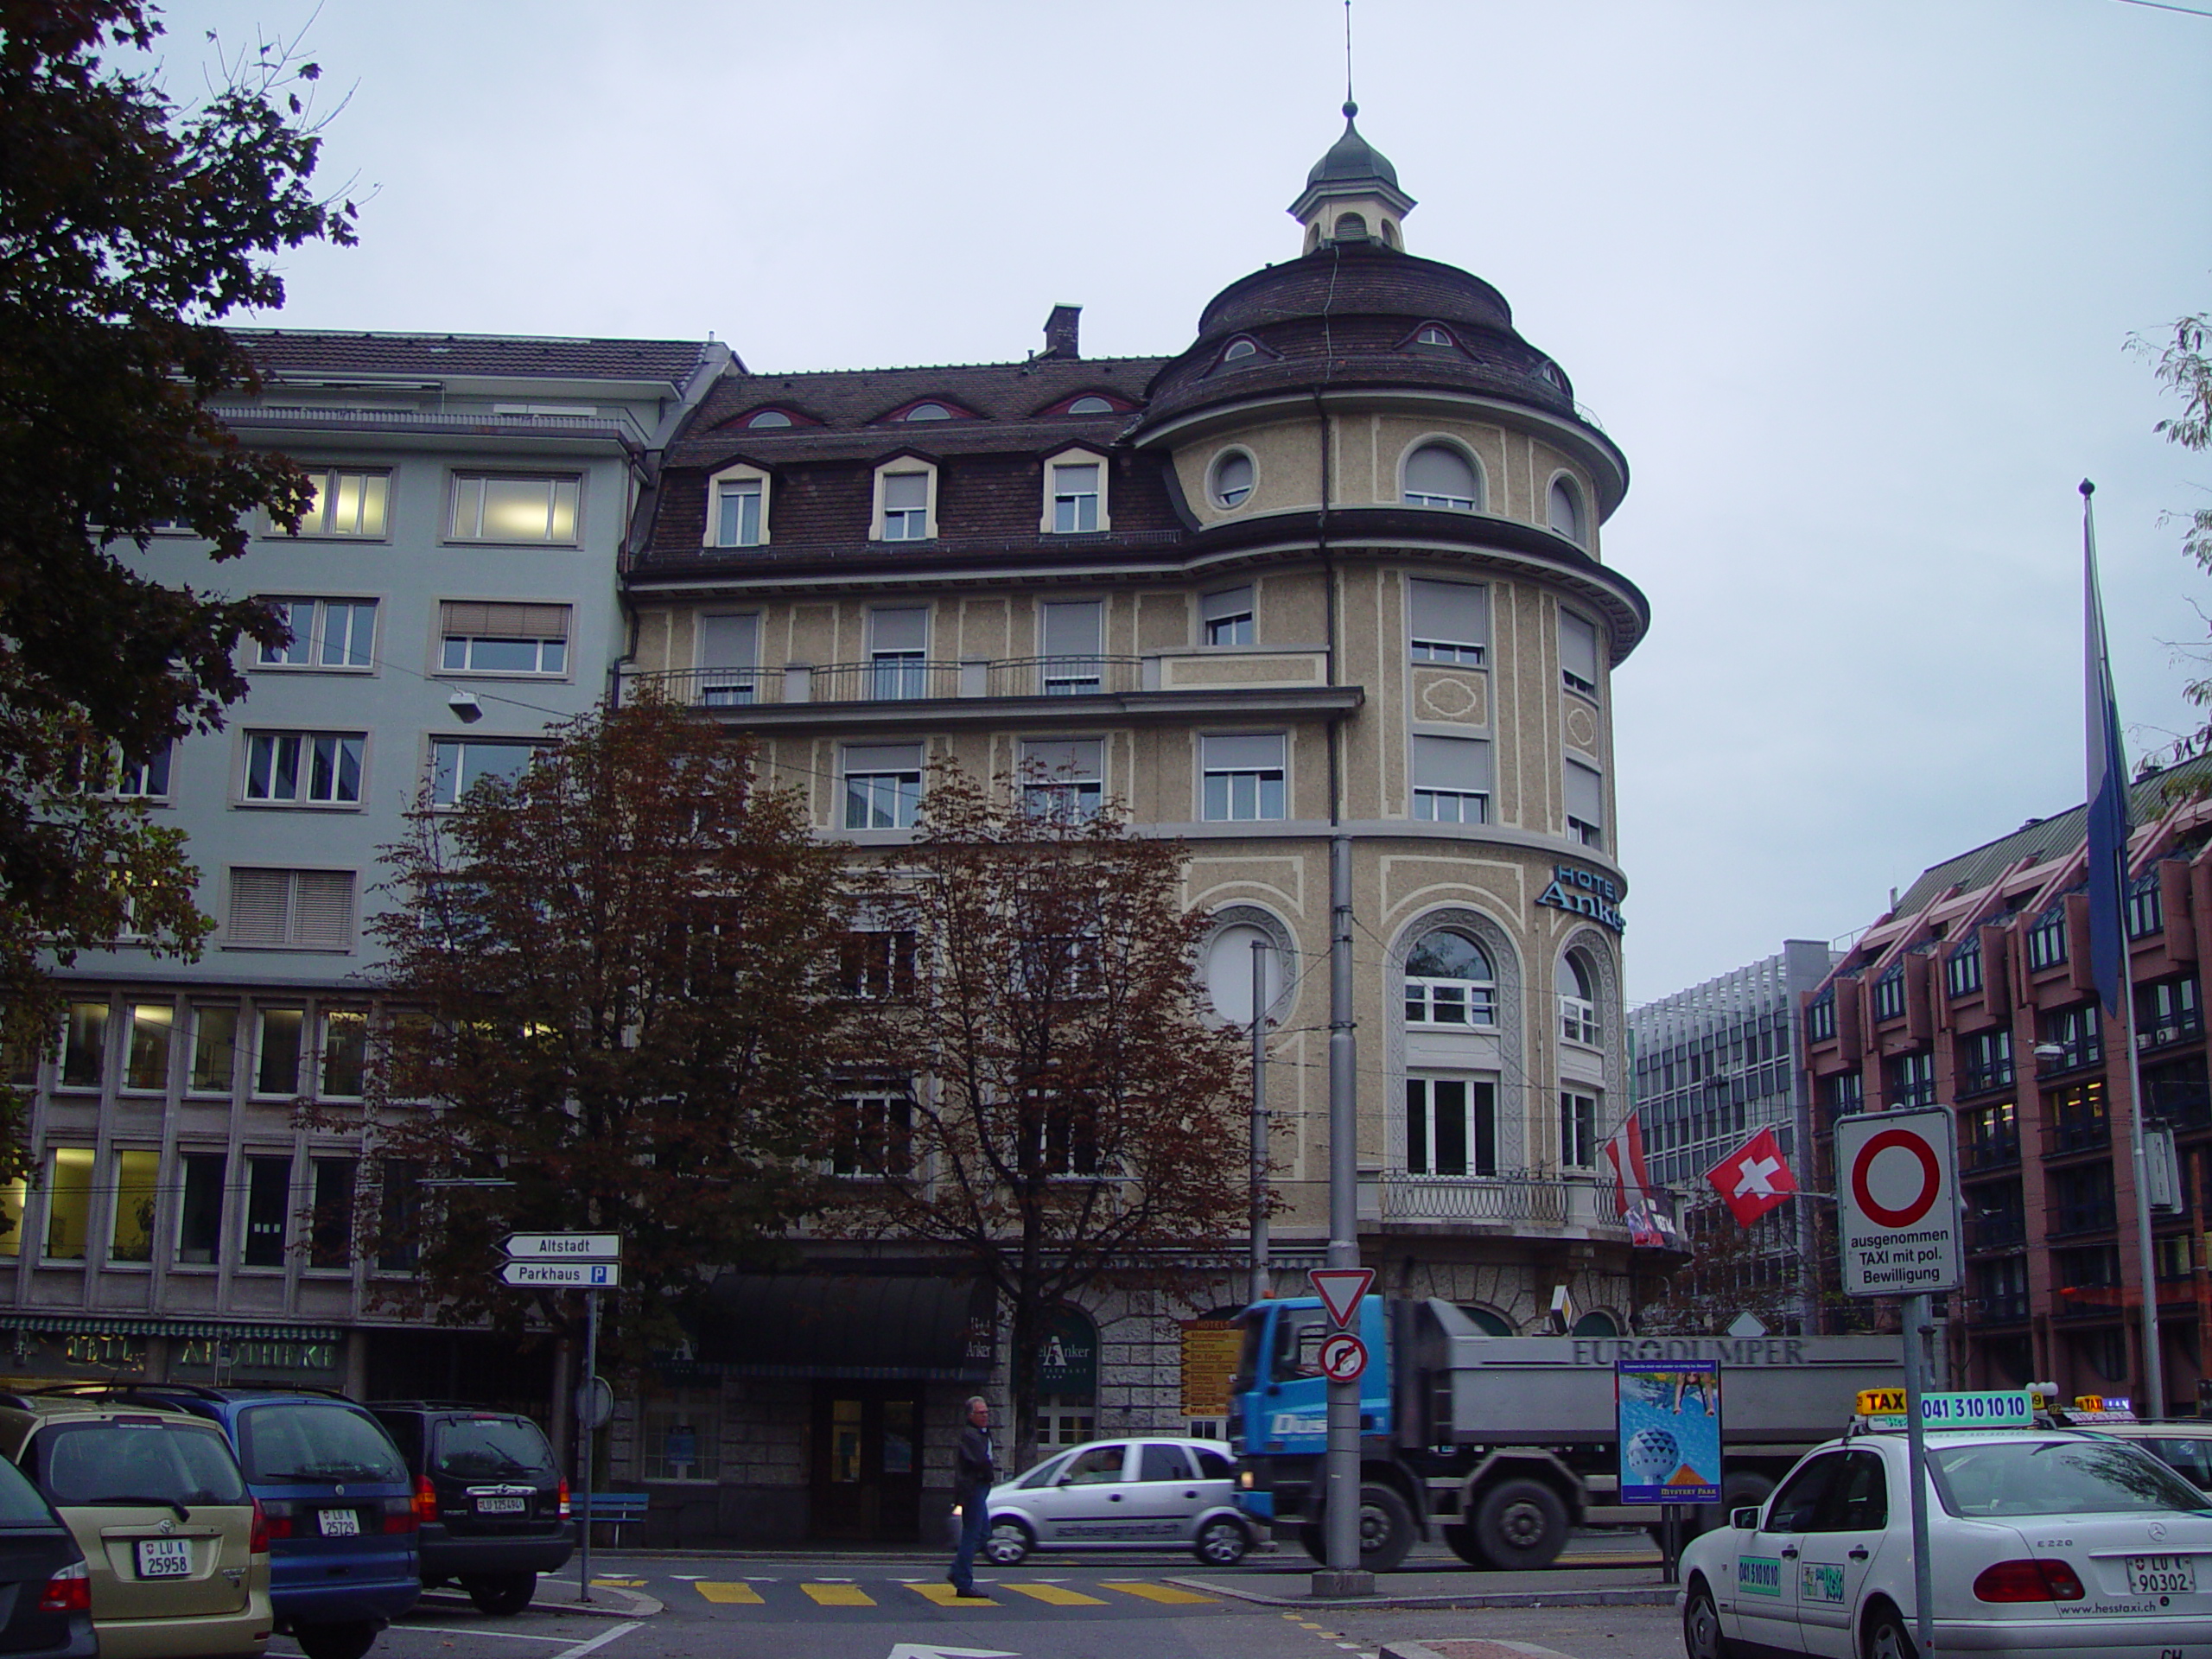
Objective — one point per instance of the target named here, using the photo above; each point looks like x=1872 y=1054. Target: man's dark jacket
x=971 y=1464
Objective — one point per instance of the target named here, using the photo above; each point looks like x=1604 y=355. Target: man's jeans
x=975 y=1521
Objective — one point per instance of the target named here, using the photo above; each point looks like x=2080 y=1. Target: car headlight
x=1244 y=1479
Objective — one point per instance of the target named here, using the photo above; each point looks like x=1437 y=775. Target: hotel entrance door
x=867 y=1460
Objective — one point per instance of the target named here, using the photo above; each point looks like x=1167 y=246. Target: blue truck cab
x=1278 y=1406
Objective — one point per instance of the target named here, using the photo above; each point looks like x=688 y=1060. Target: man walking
x=972 y=1480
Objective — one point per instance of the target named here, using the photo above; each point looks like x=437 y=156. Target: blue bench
x=619 y=1510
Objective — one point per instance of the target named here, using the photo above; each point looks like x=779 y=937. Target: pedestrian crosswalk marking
x=847 y=1594
x=737 y=1595
x=945 y=1596
x=1053 y=1595
x=1154 y=1591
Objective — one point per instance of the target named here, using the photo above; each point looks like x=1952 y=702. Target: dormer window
x=1548 y=370
x=928 y=412
x=1074 y=494
x=1092 y=405
x=1438 y=476
x=1432 y=335
x=1238 y=349
x=906 y=501
x=768 y=417
x=737 y=508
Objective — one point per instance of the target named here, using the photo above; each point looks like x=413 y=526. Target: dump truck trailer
x=1500 y=1445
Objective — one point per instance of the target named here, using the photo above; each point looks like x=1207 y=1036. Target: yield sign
x=1340 y=1289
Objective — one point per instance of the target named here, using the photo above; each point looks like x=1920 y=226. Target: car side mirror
x=1064 y=1480
x=1745 y=1520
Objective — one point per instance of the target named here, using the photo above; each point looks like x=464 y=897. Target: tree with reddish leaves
x=1047 y=1099
x=613 y=970
x=130 y=225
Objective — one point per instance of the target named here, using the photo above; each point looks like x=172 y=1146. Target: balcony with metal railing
x=2000 y=1229
x=2092 y=1215
x=2070 y=1134
x=1289 y=680
x=1575 y=1204
x=1990 y=1152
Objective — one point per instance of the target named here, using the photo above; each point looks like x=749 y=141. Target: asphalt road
x=1088 y=1608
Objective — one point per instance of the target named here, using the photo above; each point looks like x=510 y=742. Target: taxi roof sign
x=1881 y=1410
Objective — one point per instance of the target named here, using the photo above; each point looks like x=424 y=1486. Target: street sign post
x=562 y=1276
x=1898 y=1227
x=563 y=1247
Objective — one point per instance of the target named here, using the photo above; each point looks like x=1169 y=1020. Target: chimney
x=1060 y=332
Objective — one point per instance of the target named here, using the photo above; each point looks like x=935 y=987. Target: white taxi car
x=2049 y=1542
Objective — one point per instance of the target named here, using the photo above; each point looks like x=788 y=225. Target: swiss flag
x=1754 y=1179
x=1624 y=1152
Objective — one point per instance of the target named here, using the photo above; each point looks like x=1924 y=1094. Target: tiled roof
x=296 y=350
x=2042 y=839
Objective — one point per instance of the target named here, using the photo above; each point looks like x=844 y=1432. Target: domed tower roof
x=1351 y=158
x=1353 y=195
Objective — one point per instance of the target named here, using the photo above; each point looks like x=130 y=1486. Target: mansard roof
x=309 y=351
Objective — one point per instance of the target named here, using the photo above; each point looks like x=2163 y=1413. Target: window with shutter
x=485 y=637
x=1578 y=653
x=1450 y=621
x=322 y=912
x=1585 y=805
x=1074 y=633
x=1450 y=779
x=729 y=651
x=307 y=909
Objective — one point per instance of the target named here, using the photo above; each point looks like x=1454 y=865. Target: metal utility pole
x=1260 y=1123
x=1342 y=1576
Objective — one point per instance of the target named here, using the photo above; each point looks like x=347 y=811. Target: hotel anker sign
x=1586 y=893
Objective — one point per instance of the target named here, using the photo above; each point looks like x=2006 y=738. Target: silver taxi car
x=2056 y=1543
x=1138 y=1493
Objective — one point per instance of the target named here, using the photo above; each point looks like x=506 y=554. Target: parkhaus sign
x=1586 y=893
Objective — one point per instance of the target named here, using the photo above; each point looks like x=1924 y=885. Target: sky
x=1851 y=282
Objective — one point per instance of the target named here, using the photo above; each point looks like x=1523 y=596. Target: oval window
x=769 y=417
x=1232 y=480
x=1091 y=406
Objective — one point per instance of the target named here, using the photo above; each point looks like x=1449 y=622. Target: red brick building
x=1975 y=991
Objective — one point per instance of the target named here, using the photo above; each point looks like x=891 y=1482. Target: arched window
x=1238 y=349
x=1351 y=227
x=1438 y=476
x=1232 y=480
x=928 y=412
x=1565 y=509
x=1485 y=1321
x=1595 y=1324
x=1449 y=982
x=1091 y=406
x=1431 y=335
x=769 y=417
x=1577 y=1002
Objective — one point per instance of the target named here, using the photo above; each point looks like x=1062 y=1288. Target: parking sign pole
x=584 y=1441
x=1916 y=1446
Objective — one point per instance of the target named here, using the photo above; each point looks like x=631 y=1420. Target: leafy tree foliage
x=2182 y=367
x=1042 y=1092
x=614 y=965
x=129 y=225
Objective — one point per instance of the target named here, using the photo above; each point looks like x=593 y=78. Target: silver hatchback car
x=1131 y=1494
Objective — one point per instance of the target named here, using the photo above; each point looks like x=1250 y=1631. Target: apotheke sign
x=1586 y=893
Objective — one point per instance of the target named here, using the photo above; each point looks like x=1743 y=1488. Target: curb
x=1402 y=1649
x=1640 y=1595
x=607 y=1602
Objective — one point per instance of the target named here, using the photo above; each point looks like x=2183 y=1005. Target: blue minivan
x=339 y=1505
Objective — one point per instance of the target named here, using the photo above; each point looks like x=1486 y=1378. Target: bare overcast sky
x=1849 y=280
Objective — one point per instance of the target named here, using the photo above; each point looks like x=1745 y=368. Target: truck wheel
x=1386 y=1529
x=1520 y=1525
x=1462 y=1543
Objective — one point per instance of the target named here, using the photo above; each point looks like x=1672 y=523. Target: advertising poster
x=1668 y=1413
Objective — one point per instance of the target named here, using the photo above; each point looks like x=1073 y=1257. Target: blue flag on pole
x=2107 y=788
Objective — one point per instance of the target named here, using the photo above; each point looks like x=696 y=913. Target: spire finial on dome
x=1351 y=108
x=1352 y=194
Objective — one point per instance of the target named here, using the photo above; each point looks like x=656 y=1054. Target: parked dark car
x=340 y=1507
x=490 y=1504
x=44 y=1583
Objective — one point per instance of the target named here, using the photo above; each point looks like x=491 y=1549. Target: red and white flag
x=1624 y=1152
x=1754 y=1179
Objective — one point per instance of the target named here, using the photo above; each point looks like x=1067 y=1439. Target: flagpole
x=2103 y=716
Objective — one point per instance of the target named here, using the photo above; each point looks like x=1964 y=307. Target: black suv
x=492 y=1508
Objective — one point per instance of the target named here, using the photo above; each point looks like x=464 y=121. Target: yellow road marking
x=617 y=1583
x=945 y=1596
x=839 y=1595
x=739 y=1595
x=1155 y=1593
x=1053 y=1595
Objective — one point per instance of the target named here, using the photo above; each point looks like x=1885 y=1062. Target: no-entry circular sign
x=1343 y=1357
x=1919 y=1195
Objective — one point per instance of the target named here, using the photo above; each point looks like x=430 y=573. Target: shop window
x=682 y=1436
